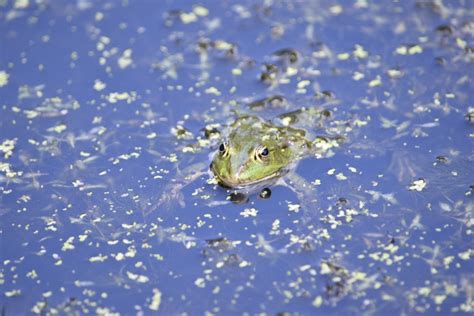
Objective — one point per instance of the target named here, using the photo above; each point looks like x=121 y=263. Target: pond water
x=111 y=110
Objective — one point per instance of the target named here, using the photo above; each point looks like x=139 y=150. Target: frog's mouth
x=243 y=184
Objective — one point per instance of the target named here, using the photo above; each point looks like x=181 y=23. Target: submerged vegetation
x=110 y=114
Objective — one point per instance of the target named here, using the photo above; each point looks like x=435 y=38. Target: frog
x=258 y=153
x=258 y=148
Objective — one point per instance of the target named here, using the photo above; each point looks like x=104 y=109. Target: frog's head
x=253 y=153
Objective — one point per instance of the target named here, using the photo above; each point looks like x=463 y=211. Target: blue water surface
x=106 y=201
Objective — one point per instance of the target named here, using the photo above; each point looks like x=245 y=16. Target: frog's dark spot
x=265 y=193
x=238 y=198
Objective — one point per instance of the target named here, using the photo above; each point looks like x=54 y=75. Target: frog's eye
x=262 y=152
x=223 y=148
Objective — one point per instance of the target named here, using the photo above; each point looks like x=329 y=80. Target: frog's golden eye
x=261 y=152
x=224 y=149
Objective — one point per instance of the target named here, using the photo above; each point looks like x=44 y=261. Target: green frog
x=258 y=152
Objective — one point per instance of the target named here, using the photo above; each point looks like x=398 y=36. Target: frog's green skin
x=258 y=152
x=242 y=163
x=241 y=167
